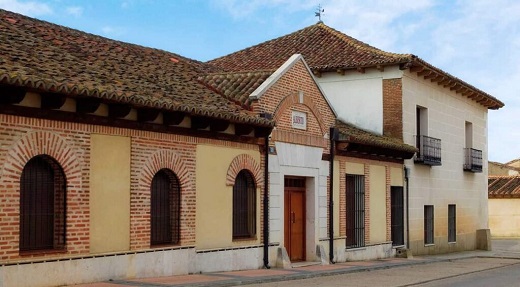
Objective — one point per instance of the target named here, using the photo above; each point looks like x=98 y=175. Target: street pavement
x=454 y=269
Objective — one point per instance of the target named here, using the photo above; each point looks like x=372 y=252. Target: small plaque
x=299 y=120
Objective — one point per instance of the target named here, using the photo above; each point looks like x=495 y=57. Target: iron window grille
x=428 y=224
x=43 y=205
x=397 y=215
x=165 y=208
x=355 y=211
x=429 y=150
x=472 y=160
x=244 y=206
x=452 y=223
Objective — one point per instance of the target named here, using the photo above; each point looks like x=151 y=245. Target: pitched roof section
x=326 y=49
x=504 y=187
x=236 y=86
x=50 y=58
x=387 y=146
x=322 y=47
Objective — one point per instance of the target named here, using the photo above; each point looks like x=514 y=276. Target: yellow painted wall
x=215 y=199
x=504 y=217
x=336 y=197
x=396 y=176
x=109 y=193
x=377 y=204
x=355 y=168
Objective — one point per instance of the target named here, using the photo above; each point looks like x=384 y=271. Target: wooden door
x=295 y=218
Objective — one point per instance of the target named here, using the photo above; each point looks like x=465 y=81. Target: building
x=504 y=206
x=115 y=162
x=404 y=97
x=496 y=168
x=300 y=169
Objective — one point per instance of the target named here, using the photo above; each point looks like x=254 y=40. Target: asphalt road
x=462 y=272
x=503 y=276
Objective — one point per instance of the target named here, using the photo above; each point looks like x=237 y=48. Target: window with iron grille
x=428 y=224
x=355 y=211
x=165 y=208
x=452 y=223
x=42 y=205
x=244 y=206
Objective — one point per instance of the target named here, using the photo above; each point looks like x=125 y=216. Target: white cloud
x=29 y=8
x=113 y=31
x=76 y=11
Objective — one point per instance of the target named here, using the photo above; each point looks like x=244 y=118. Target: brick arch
x=37 y=143
x=26 y=147
x=244 y=161
x=290 y=100
x=164 y=159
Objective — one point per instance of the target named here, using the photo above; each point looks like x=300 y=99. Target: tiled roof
x=503 y=186
x=352 y=134
x=326 y=49
x=236 y=86
x=322 y=47
x=510 y=163
x=49 y=58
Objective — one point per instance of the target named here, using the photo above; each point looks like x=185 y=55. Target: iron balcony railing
x=472 y=160
x=429 y=150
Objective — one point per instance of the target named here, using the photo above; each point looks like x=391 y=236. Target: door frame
x=287 y=233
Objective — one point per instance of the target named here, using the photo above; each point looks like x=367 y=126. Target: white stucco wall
x=304 y=161
x=355 y=95
x=448 y=183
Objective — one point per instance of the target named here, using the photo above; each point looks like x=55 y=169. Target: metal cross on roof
x=319 y=12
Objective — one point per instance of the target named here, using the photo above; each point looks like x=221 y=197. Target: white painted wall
x=448 y=113
x=304 y=161
x=355 y=95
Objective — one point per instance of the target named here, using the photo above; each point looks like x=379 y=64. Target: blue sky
x=475 y=40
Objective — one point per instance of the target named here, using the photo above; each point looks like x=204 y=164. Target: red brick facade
x=393 y=108
x=69 y=144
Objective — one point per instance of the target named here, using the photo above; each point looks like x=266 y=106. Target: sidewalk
x=244 y=277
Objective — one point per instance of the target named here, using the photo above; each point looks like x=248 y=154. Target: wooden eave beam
x=173 y=118
x=360 y=70
x=218 y=125
x=147 y=115
x=52 y=101
x=11 y=95
x=341 y=71
x=87 y=105
x=118 y=110
x=242 y=129
x=342 y=146
x=262 y=132
x=316 y=73
x=199 y=122
x=380 y=68
x=432 y=75
x=424 y=72
x=416 y=69
x=438 y=78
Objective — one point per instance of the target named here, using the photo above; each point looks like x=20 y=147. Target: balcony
x=472 y=160
x=429 y=150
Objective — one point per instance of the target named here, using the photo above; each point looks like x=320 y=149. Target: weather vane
x=319 y=12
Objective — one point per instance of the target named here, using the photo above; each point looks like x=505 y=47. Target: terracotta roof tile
x=236 y=86
x=326 y=49
x=322 y=47
x=353 y=134
x=503 y=186
x=51 y=58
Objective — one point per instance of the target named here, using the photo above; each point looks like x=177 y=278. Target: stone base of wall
x=369 y=252
x=127 y=266
x=465 y=242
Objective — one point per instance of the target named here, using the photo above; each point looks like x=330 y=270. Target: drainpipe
x=266 y=204
x=332 y=136
x=407 y=180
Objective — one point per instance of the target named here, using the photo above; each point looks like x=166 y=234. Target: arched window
x=165 y=209
x=244 y=206
x=42 y=205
